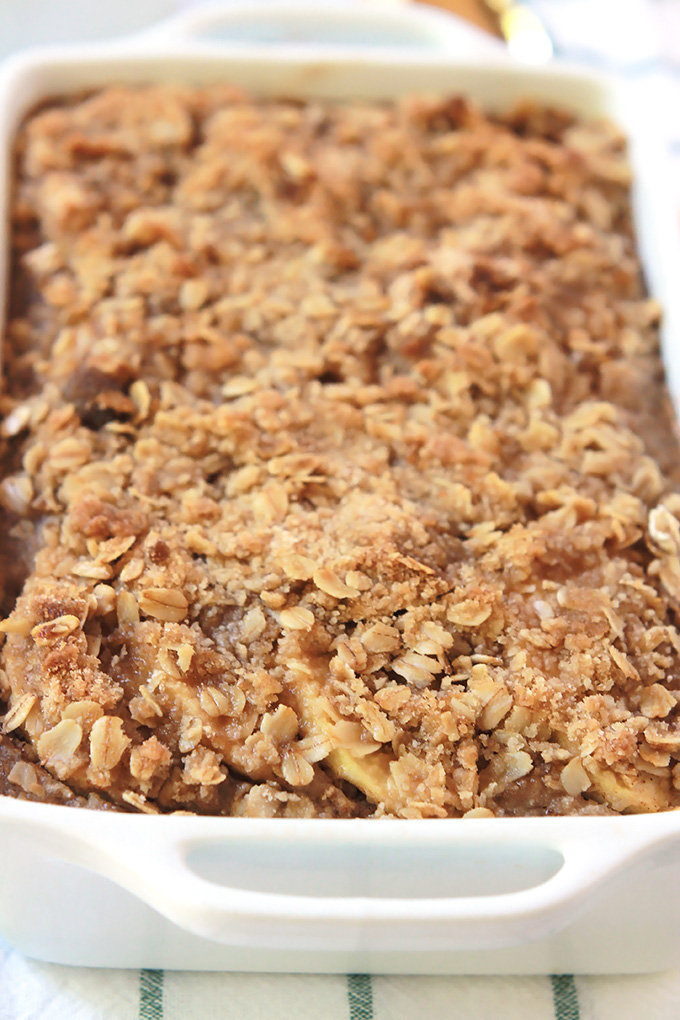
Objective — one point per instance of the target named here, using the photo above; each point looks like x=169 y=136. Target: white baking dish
x=475 y=896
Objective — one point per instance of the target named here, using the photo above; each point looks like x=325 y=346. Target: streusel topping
x=338 y=472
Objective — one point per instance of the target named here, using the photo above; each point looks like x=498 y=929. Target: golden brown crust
x=338 y=468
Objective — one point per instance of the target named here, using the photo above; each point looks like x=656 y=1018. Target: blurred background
x=625 y=29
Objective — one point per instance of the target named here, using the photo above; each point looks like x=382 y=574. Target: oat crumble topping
x=338 y=475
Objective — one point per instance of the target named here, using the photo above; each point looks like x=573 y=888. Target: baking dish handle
x=335 y=25
x=158 y=869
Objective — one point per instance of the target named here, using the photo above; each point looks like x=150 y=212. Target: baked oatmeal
x=339 y=477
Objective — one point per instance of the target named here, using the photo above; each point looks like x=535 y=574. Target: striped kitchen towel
x=622 y=36
x=39 y=991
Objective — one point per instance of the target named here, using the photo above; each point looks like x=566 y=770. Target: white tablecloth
x=638 y=38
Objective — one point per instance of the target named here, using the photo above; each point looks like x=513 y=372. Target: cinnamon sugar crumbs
x=339 y=476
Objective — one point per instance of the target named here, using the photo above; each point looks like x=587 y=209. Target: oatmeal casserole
x=339 y=477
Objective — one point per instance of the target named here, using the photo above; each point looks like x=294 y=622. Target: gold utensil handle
x=524 y=32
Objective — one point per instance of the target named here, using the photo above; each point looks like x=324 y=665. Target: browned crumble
x=338 y=467
x=22 y=777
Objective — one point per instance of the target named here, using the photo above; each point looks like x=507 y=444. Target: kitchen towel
x=635 y=38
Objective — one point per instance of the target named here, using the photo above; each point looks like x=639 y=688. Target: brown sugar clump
x=339 y=477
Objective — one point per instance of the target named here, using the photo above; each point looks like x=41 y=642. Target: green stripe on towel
x=151 y=995
x=565 y=997
x=360 y=996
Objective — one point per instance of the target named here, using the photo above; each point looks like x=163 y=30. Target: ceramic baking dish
x=527 y=895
